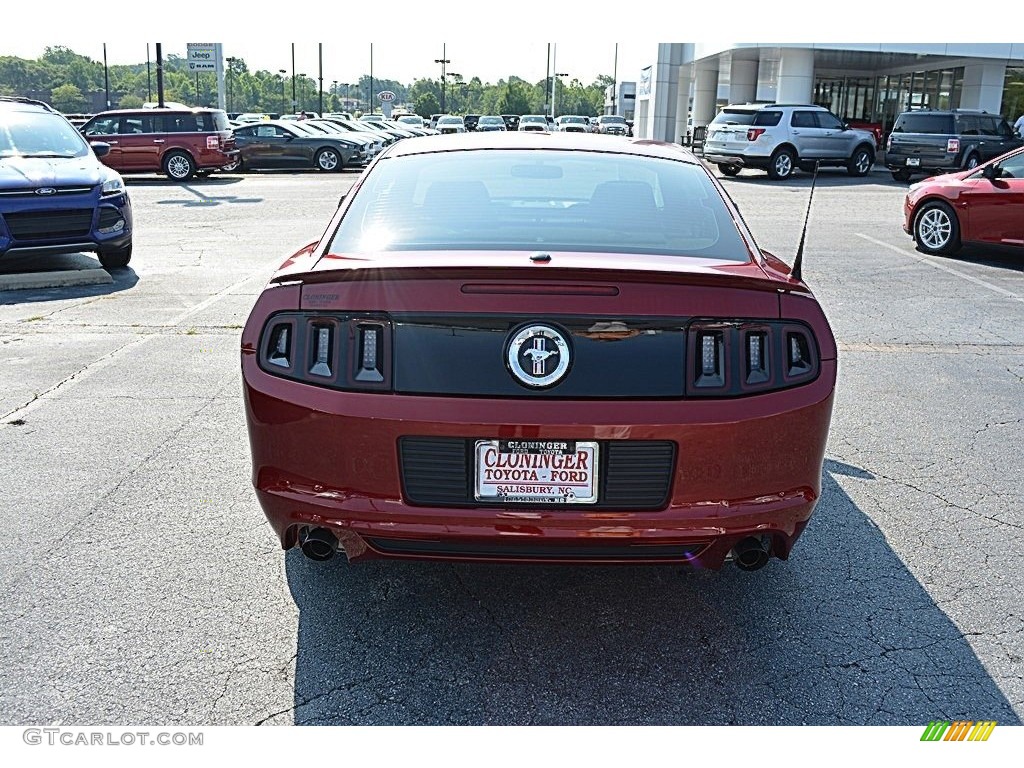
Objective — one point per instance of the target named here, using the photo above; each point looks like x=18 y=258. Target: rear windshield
x=613 y=119
x=764 y=117
x=499 y=200
x=909 y=122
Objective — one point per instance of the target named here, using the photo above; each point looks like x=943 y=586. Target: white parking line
x=944 y=268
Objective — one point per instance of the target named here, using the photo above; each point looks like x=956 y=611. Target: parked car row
x=183 y=142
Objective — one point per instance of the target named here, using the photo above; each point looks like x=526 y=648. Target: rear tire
x=860 y=162
x=781 y=165
x=116 y=259
x=901 y=176
x=179 y=166
x=728 y=170
x=972 y=161
x=937 y=229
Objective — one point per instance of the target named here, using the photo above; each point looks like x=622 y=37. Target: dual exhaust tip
x=750 y=554
x=318 y=543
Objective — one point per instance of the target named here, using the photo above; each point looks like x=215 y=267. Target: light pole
x=457 y=78
x=334 y=93
x=281 y=73
x=302 y=91
x=442 y=61
x=554 y=98
x=231 y=68
x=293 y=77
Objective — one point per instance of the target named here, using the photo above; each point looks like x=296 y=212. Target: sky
x=490 y=40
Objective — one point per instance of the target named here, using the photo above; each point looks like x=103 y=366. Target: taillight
x=952 y=145
x=213 y=142
x=731 y=358
x=754 y=133
x=338 y=351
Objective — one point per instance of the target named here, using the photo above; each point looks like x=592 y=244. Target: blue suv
x=55 y=195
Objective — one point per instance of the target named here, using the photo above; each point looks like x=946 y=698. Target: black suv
x=55 y=195
x=471 y=122
x=927 y=141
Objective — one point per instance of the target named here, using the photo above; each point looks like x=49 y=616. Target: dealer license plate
x=913 y=161
x=532 y=471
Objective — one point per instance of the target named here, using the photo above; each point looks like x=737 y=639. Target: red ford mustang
x=538 y=347
x=984 y=205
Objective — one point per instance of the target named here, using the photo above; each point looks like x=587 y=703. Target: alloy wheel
x=934 y=228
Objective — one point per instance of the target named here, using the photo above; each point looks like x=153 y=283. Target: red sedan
x=538 y=347
x=984 y=205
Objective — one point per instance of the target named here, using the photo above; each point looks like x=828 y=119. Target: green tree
x=515 y=100
x=68 y=98
x=426 y=104
x=130 y=101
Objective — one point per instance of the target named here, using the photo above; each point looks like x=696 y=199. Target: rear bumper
x=728 y=158
x=743 y=467
x=929 y=165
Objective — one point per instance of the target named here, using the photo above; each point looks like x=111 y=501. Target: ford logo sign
x=46 y=191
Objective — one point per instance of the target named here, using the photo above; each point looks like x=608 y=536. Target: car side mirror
x=99 y=148
x=991 y=172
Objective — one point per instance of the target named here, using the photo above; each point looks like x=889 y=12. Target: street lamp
x=281 y=73
x=231 y=68
x=457 y=78
x=554 y=86
x=442 y=61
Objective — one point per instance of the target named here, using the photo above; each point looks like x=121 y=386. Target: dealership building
x=868 y=83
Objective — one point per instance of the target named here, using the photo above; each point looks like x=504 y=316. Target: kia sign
x=202 y=57
x=386 y=96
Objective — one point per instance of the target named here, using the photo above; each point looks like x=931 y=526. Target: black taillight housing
x=342 y=351
x=732 y=358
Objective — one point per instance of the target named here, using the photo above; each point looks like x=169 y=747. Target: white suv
x=783 y=137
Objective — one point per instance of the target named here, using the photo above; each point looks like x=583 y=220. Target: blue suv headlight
x=113 y=186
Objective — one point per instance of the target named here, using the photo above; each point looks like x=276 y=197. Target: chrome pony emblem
x=538 y=356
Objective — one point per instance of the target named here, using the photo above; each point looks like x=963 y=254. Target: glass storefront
x=1013 y=94
x=878 y=100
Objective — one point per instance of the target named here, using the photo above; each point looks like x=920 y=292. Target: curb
x=57 y=279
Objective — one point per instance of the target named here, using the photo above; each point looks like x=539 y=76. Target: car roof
x=22 y=104
x=542 y=140
x=156 y=111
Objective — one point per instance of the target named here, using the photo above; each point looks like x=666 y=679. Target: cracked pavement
x=141 y=584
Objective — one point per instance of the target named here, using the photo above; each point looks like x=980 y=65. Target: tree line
x=73 y=83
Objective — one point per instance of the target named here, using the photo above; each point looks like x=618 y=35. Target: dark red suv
x=180 y=143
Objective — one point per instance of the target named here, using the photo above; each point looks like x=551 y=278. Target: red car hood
x=413 y=264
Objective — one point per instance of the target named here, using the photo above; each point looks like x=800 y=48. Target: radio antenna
x=798 y=262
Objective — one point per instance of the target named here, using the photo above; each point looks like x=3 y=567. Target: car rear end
x=689 y=426
x=923 y=142
x=212 y=146
x=744 y=136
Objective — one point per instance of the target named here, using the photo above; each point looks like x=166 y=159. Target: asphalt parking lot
x=140 y=582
